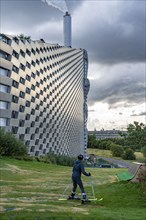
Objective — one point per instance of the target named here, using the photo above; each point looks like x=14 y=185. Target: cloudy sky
x=113 y=33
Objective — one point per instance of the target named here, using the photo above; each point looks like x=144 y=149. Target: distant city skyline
x=113 y=33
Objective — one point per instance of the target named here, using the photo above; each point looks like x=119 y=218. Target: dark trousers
x=77 y=182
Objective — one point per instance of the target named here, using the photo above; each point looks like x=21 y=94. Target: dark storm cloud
x=117 y=85
x=116 y=36
x=141 y=114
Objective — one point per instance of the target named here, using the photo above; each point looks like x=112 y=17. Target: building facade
x=43 y=95
x=105 y=134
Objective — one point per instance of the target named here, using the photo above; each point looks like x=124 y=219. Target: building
x=105 y=134
x=43 y=95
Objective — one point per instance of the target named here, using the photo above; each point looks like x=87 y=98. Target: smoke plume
x=59 y=4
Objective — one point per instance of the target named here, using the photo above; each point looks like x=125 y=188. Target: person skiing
x=78 y=169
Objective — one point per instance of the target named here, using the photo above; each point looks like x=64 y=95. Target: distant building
x=105 y=134
x=43 y=95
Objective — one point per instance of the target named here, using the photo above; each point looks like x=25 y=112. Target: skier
x=78 y=169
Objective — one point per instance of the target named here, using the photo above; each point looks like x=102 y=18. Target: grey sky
x=112 y=32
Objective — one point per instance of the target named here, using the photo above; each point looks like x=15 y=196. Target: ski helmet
x=80 y=157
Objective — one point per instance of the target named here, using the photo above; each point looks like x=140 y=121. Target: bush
x=10 y=145
x=129 y=154
x=117 y=150
x=144 y=151
x=60 y=159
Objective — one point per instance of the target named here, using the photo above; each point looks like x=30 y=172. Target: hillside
x=30 y=190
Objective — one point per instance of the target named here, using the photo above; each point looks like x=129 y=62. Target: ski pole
x=65 y=190
x=92 y=187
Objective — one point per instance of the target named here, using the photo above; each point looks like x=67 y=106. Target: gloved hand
x=89 y=174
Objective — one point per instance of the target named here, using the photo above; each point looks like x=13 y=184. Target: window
x=33 y=87
x=15 y=84
x=27 y=90
x=22 y=53
x=15 y=69
x=22 y=66
x=4 y=72
x=4 y=55
x=14 y=130
x=15 y=99
x=32 y=123
x=32 y=111
x=21 y=94
x=3 y=122
x=21 y=137
x=37 y=141
x=4 y=88
x=28 y=65
x=28 y=52
x=27 y=117
x=33 y=75
x=33 y=51
x=27 y=104
x=33 y=99
x=21 y=123
x=32 y=137
x=27 y=130
x=21 y=108
x=22 y=80
x=4 y=105
x=32 y=149
x=15 y=54
x=28 y=78
x=5 y=39
x=14 y=114
x=37 y=130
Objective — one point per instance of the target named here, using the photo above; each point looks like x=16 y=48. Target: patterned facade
x=43 y=95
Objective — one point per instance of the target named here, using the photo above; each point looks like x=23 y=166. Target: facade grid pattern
x=43 y=95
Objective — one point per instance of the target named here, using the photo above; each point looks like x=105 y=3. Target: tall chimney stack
x=67 y=29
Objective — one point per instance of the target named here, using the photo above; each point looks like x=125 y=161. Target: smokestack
x=67 y=29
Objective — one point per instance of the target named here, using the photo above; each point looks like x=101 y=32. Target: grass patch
x=30 y=190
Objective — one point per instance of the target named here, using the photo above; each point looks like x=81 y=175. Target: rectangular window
x=5 y=39
x=28 y=78
x=21 y=123
x=21 y=108
x=22 y=94
x=14 y=114
x=4 y=88
x=15 y=99
x=15 y=54
x=3 y=122
x=4 y=105
x=22 y=66
x=33 y=75
x=27 y=104
x=4 y=72
x=22 y=80
x=15 y=84
x=22 y=53
x=27 y=90
x=15 y=69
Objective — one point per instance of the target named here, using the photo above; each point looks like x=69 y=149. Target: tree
x=91 y=141
x=136 y=135
x=129 y=154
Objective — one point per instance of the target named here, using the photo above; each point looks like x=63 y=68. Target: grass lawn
x=107 y=153
x=30 y=191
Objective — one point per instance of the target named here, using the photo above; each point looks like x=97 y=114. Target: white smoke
x=59 y=4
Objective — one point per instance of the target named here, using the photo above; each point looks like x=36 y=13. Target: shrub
x=60 y=159
x=144 y=151
x=116 y=150
x=10 y=145
x=129 y=154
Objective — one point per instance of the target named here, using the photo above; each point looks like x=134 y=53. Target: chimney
x=67 y=29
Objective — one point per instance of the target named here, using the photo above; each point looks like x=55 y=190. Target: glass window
x=3 y=122
x=4 y=105
x=4 y=72
x=4 y=88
